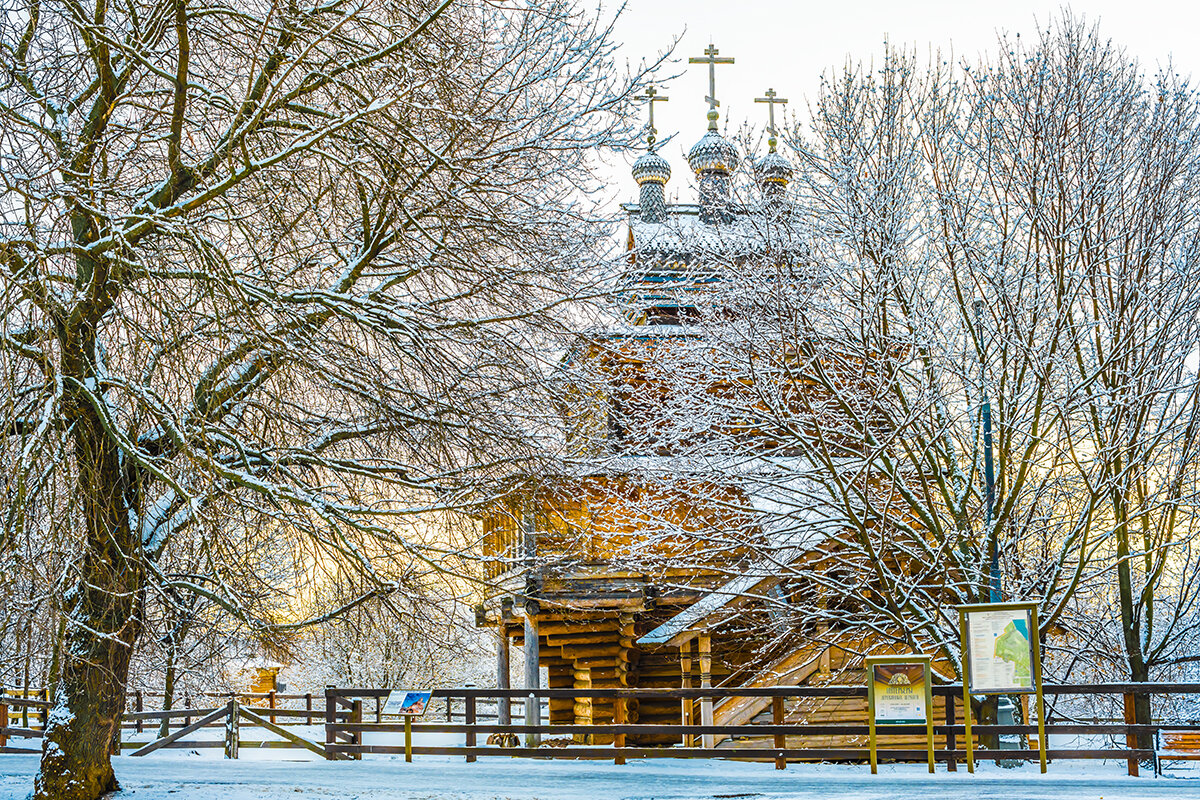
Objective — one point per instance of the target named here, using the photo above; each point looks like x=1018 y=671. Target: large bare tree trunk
x=102 y=613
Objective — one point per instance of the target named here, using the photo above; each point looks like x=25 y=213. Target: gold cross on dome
x=711 y=59
x=651 y=97
x=771 y=99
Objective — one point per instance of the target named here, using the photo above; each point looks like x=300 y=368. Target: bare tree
x=274 y=279
x=1008 y=245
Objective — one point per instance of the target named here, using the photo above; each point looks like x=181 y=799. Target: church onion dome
x=713 y=154
x=650 y=167
x=773 y=168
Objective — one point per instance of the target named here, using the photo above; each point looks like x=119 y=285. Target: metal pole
x=989 y=471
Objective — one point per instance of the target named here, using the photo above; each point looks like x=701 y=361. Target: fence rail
x=349 y=716
x=346 y=738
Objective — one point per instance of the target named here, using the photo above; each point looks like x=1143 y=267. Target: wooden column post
x=356 y=716
x=231 y=729
x=951 y=761
x=469 y=714
x=330 y=721
x=706 y=703
x=408 y=738
x=533 y=706
x=1131 y=740
x=271 y=704
x=686 y=704
x=619 y=718
x=777 y=718
x=503 y=676
x=3 y=724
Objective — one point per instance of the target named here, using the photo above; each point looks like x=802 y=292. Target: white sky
x=787 y=45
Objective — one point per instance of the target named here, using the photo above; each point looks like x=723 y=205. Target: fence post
x=687 y=705
x=3 y=725
x=1131 y=739
x=780 y=739
x=271 y=704
x=187 y=705
x=137 y=705
x=330 y=721
x=25 y=708
x=45 y=715
x=449 y=709
x=308 y=707
x=356 y=718
x=470 y=716
x=707 y=740
x=951 y=743
x=620 y=717
x=378 y=708
x=231 y=729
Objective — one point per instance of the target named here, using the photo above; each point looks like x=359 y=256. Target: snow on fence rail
x=348 y=714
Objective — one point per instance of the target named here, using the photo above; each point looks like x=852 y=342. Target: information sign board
x=1000 y=653
x=900 y=693
x=407 y=702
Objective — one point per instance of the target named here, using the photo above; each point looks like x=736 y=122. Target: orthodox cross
x=711 y=59
x=651 y=97
x=771 y=100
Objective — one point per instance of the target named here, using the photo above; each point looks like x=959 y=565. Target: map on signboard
x=1000 y=650
x=407 y=703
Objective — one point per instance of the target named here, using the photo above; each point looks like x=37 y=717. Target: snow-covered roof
x=683 y=237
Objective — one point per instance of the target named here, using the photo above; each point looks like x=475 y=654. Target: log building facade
x=625 y=570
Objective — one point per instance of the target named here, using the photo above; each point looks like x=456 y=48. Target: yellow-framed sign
x=1001 y=655
x=899 y=692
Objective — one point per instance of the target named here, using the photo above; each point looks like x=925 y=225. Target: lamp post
x=989 y=474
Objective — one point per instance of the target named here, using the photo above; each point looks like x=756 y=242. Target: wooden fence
x=344 y=738
x=350 y=715
x=231 y=718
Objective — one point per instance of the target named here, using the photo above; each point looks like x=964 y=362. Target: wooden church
x=627 y=569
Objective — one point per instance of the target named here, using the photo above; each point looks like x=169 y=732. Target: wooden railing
x=347 y=714
x=345 y=738
x=230 y=718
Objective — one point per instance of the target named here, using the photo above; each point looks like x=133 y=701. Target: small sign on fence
x=407 y=703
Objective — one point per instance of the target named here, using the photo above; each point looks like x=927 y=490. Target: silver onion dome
x=773 y=168
x=651 y=167
x=713 y=154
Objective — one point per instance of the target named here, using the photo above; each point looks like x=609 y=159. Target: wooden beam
x=533 y=708
x=179 y=734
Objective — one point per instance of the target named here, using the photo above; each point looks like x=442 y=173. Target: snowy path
x=180 y=777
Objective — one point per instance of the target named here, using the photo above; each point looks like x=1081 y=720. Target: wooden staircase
x=792 y=669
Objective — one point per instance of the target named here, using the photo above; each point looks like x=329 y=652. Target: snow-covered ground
x=268 y=775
